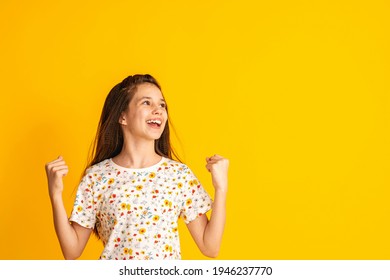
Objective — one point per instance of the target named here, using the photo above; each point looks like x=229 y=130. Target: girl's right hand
x=55 y=171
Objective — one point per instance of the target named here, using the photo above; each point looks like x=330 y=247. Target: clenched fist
x=218 y=167
x=55 y=171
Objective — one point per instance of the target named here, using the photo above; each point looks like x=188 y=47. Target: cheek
x=141 y=114
x=166 y=118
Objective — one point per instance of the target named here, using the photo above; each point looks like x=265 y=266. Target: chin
x=155 y=136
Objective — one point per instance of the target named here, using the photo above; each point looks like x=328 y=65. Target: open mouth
x=155 y=123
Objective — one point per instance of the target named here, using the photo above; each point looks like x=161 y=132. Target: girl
x=133 y=192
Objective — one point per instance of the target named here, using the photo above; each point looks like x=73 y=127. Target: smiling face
x=146 y=115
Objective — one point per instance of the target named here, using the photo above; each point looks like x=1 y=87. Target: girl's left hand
x=218 y=167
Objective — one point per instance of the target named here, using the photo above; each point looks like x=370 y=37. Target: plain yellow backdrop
x=294 y=93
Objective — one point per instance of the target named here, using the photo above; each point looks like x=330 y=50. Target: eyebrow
x=147 y=97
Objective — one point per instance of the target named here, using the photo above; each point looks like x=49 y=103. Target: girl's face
x=146 y=115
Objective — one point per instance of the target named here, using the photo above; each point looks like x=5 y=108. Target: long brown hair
x=108 y=141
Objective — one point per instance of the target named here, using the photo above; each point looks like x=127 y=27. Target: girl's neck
x=137 y=155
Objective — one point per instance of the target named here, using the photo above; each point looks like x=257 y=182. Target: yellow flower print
x=168 y=248
x=156 y=218
x=99 y=196
x=79 y=208
x=164 y=164
x=152 y=175
x=180 y=185
x=174 y=229
x=130 y=251
x=139 y=187
x=189 y=201
x=142 y=230
x=124 y=206
x=125 y=251
x=191 y=183
x=110 y=181
x=167 y=203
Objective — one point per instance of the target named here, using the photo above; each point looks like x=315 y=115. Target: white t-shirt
x=136 y=210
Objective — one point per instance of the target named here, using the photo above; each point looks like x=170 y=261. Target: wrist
x=221 y=191
x=55 y=196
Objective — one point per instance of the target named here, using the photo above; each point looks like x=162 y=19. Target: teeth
x=154 y=121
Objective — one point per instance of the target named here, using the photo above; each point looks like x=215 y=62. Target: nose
x=157 y=110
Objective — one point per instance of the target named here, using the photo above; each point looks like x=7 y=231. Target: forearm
x=66 y=234
x=212 y=237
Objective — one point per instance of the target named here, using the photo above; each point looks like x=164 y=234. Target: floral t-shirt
x=136 y=210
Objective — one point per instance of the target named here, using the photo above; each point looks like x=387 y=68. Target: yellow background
x=294 y=93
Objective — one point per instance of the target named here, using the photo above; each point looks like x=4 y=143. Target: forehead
x=148 y=90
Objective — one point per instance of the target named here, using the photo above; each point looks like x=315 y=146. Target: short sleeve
x=196 y=201
x=84 y=212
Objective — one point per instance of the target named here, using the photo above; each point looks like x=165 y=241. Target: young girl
x=133 y=192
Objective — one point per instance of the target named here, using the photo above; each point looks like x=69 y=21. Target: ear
x=122 y=119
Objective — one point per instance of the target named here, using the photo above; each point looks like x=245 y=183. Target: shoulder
x=170 y=163
x=98 y=168
x=177 y=168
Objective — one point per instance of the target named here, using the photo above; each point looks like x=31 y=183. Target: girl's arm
x=208 y=233
x=72 y=237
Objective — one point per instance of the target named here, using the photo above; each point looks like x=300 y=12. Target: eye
x=146 y=102
x=163 y=105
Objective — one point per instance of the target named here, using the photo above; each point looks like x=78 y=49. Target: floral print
x=136 y=210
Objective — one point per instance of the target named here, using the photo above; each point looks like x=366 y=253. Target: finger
x=54 y=165
x=216 y=157
x=210 y=165
x=60 y=158
x=60 y=169
x=213 y=161
x=62 y=172
x=60 y=162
